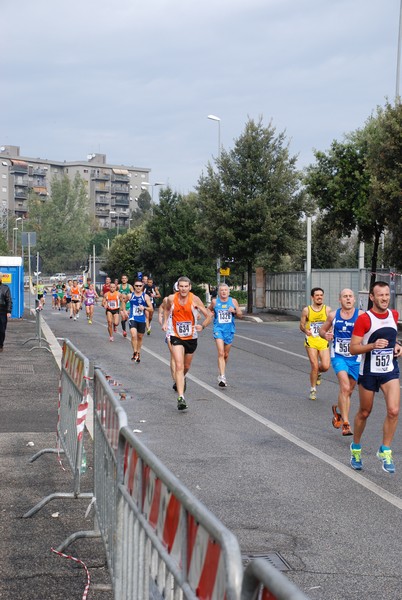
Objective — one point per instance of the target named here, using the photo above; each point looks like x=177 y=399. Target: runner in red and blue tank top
x=374 y=336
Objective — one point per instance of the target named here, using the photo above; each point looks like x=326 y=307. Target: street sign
x=225 y=272
x=28 y=238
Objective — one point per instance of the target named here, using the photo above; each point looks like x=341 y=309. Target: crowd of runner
x=361 y=346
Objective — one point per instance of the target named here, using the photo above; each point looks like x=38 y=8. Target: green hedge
x=240 y=295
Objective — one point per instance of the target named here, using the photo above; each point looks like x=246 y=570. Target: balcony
x=102 y=188
x=98 y=176
x=122 y=189
x=20 y=194
x=38 y=172
x=121 y=201
x=101 y=212
x=19 y=166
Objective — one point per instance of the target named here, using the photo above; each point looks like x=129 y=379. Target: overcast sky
x=136 y=80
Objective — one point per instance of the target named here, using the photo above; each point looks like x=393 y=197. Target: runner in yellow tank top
x=312 y=318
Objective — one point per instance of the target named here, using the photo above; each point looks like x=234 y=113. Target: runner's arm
x=303 y=320
x=324 y=331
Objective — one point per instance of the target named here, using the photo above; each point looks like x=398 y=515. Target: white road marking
x=243 y=337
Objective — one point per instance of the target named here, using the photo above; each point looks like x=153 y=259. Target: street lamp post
x=152 y=185
x=16 y=235
x=217 y=119
x=218 y=260
x=398 y=58
x=113 y=213
x=15 y=230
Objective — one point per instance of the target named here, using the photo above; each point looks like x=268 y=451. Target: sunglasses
x=138 y=285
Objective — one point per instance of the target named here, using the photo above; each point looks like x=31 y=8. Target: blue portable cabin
x=13 y=276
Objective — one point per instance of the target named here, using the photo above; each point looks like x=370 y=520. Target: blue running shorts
x=226 y=336
x=373 y=382
x=340 y=363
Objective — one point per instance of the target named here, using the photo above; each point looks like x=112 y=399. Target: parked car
x=58 y=277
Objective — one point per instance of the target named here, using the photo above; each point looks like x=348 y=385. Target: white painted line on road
x=345 y=470
x=243 y=337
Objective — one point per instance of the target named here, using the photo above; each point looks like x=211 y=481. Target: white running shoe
x=222 y=381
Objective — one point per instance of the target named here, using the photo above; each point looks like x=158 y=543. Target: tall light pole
x=218 y=260
x=398 y=58
x=16 y=235
x=113 y=213
x=152 y=185
x=217 y=119
x=15 y=230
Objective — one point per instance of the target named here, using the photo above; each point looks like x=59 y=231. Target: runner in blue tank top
x=139 y=302
x=224 y=309
x=338 y=329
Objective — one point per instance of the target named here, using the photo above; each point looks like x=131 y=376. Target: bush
x=239 y=295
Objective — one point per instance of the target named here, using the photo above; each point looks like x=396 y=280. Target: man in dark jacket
x=6 y=305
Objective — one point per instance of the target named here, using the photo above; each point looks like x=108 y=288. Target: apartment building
x=112 y=190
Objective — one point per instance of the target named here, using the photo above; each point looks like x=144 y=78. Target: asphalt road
x=262 y=456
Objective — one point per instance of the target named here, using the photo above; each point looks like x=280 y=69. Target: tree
x=123 y=254
x=171 y=245
x=4 y=249
x=252 y=204
x=144 y=209
x=384 y=162
x=358 y=182
x=62 y=224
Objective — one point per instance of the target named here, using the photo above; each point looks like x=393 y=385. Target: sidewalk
x=28 y=414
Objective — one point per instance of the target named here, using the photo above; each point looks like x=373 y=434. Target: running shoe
x=149 y=330
x=181 y=403
x=387 y=462
x=138 y=358
x=89 y=322
x=111 y=339
x=319 y=379
x=336 y=419
x=78 y=315
x=313 y=395
x=134 y=356
x=222 y=381
x=346 y=430
x=175 y=387
x=124 y=333
x=114 y=328
x=75 y=318
x=356 y=458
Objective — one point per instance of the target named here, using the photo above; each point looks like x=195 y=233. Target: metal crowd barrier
x=109 y=417
x=160 y=540
x=72 y=411
x=262 y=581
x=38 y=329
x=170 y=545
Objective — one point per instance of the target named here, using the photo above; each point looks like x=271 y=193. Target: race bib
x=224 y=316
x=315 y=328
x=90 y=301
x=382 y=360
x=184 y=328
x=137 y=312
x=342 y=346
x=112 y=304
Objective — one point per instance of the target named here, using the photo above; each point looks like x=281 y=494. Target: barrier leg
x=51 y=497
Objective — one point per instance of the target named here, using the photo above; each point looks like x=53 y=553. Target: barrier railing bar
x=260 y=574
